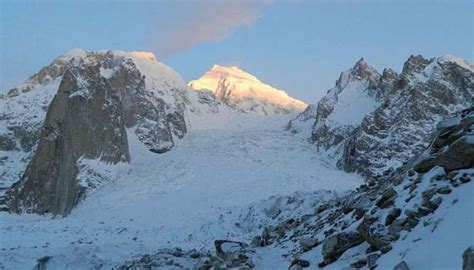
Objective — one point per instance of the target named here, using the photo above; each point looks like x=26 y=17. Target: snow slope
x=187 y=197
x=439 y=247
x=435 y=246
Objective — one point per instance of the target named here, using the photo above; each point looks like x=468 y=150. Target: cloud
x=207 y=21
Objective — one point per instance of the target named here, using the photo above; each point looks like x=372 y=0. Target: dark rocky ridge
x=88 y=118
x=401 y=126
x=407 y=108
x=23 y=111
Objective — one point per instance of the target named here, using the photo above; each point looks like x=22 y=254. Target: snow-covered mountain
x=183 y=179
x=90 y=104
x=86 y=106
x=372 y=123
x=244 y=92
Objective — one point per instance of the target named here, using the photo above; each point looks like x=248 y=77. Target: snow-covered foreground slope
x=187 y=197
x=437 y=243
x=419 y=218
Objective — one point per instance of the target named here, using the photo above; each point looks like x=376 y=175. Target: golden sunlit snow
x=240 y=84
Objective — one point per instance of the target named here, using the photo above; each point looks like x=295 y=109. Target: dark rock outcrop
x=468 y=259
x=336 y=245
x=74 y=128
x=387 y=198
x=399 y=128
x=458 y=133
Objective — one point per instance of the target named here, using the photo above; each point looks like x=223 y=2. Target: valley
x=185 y=198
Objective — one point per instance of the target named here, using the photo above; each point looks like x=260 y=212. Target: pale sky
x=298 y=46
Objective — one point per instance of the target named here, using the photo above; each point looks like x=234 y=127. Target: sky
x=295 y=45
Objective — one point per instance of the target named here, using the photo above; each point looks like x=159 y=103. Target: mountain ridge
x=363 y=123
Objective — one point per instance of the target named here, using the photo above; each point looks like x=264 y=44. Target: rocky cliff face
x=245 y=93
x=23 y=110
x=100 y=101
x=372 y=123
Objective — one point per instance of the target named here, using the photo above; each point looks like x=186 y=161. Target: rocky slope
x=244 y=92
x=372 y=123
x=102 y=97
x=403 y=222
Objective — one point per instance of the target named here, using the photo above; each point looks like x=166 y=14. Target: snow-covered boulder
x=458 y=133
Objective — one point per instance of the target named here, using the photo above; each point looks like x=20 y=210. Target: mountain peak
x=457 y=60
x=144 y=55
x=362 y=69
x=415 y=64
x=76 y=52
x=243 y=91
x=81 y=54
x=219 y=67
x=361 y=61
x=230 y=71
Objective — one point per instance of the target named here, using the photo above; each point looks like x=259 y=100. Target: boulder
x=359 y=263
x=401 y=266
x=308 y=243
x=372 y=259
x=299 y=262
x=468 y=259
x=387 y=198
x=393 y=214
x=194 y=254
x=376 y=234
x=42 y=263
x=452 y=149
x=336 y=245
x=224 y=248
